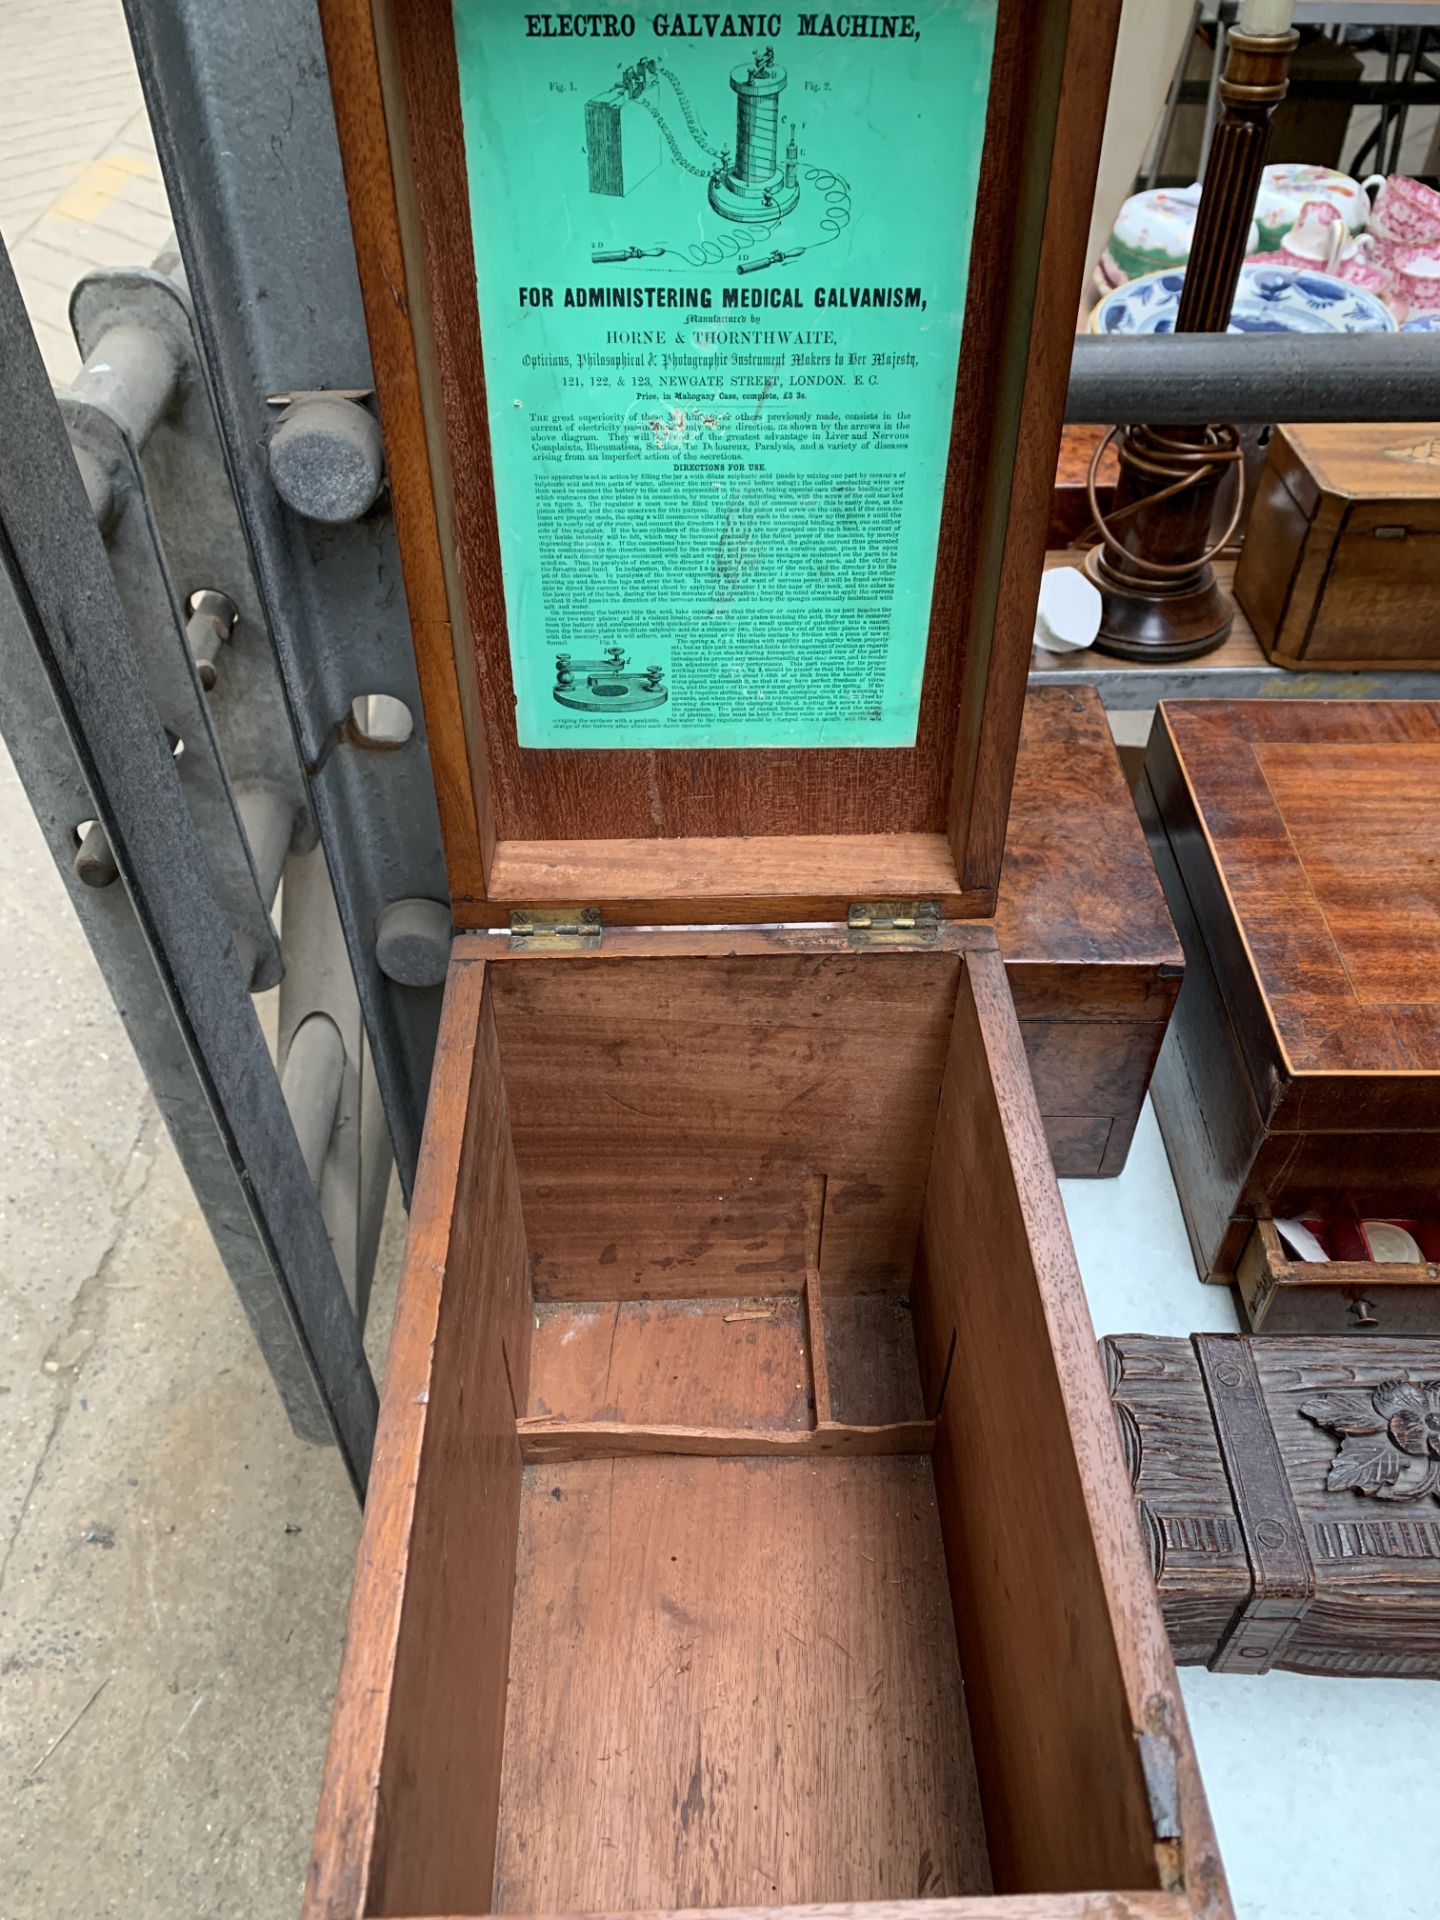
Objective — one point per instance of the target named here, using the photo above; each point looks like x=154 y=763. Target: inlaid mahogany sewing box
x=1299 y=845
x=747 y=1526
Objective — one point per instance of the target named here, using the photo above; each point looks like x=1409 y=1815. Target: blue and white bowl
x=1422 y=323
x=1269 y=299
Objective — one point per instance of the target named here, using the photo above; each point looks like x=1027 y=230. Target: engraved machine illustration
x=606 y=686
x=632 y=131
x=756 y=185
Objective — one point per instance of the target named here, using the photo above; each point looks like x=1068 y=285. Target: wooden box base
x=758 y=1603
x=747 y=1526
x=1287 y=1492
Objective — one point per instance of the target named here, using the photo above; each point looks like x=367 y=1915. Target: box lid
x=892 y=510
x=1385 y=461
x=1307 y=833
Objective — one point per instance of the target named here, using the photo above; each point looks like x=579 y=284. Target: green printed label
x=721 y=263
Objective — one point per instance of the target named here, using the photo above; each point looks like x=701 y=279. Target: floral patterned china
x=1153 y=230
x=1269 y=299
x=1284 y=190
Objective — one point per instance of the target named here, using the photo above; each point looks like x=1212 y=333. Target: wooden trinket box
x=1298 y=843
x=1287 y=1493
x=1341 y=563
x=1092 y=956
x=747 y=1527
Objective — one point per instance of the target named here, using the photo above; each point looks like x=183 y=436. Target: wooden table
x=1238 y=670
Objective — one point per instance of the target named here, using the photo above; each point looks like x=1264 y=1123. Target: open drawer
x=1357 y=1291
x=748 y=1526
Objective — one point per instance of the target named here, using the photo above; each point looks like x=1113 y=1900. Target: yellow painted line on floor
x=101 y=182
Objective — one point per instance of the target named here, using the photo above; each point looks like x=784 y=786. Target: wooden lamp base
x=1160 y=620
x=1161 y=600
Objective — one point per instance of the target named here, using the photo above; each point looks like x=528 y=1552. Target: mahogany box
x=747 y=1526
x=1092 y=955
x=1287 y=1492
x=1298 y=843
x=1341 y=561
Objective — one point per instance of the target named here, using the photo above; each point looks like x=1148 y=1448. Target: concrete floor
x=174 y=1565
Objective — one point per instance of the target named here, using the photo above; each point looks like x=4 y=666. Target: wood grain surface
x=870 y=1363
x=618 y=1440
x=1201 y=1088
x=454 y=735
x=1196 y=1549
x=1319 y=820
x=729 y=1377
x=1026 y=272
x=1045 y=1906
x=1092 y=956
x=738 y=1678
x=1080 y=907
x=1060 y=1633
x=420 y=1707
x=447 y=1690
x=670 y=1116
x=718 y=1363
x=771 y=1704
x=651 y=882
x=1376 y=1608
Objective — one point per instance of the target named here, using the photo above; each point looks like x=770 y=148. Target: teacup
x=1406 y=212
x=1417 y=276
x=1286 y=189
x=1364 y=270
x=1317 y=238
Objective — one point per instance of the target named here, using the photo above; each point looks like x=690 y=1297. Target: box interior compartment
x=750 y=1559
x=1344 y=1234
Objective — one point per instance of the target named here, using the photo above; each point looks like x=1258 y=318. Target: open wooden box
x=747 y=1526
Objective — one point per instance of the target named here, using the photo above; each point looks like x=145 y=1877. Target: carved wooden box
x=1298 y=842
x=747 y=1526
x=1289 y=1494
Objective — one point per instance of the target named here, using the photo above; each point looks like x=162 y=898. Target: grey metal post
x=1194 y=377
x=61 y=597
x=246 y=137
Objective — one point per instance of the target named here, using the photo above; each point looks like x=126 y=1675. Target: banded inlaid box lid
x=1307 y=833
x=1379 y=460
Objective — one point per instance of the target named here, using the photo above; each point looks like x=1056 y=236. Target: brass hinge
x=554 y=929
x=894 y=923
